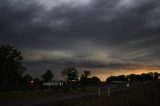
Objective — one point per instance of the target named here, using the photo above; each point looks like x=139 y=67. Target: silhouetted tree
x=38 y=84
x=156 y=76
x=134 y=77
x=122 y=78
x=86 y=73
x=83 y=80
x=11 y=68
x=146 y=77
x=26 y=80
x=116 y=78
x=84 y=77
x=47 y=76
x=140 y=78
x=94 y=81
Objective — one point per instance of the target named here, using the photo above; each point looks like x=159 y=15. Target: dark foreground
x=48 y=101
x=143 y=95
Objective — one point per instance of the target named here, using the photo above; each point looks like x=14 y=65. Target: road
x=55 y=101
x=48 y=101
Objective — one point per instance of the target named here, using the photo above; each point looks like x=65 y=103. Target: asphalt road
x=48 y=101
x=56 y=101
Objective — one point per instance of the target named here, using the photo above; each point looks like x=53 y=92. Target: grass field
x=146 y=95
x=23 y=95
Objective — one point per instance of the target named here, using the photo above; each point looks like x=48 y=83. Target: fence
x=111 y=89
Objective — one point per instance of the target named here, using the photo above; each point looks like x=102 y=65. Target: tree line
x=11 y=72
x=12 y=77
x=144 y=77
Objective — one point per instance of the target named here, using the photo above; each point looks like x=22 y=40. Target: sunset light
x=79 y=49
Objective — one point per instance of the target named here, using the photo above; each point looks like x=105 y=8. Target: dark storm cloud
x=96 y=32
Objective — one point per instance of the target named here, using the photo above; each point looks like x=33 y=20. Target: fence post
x=99 y=91
x=108 y=91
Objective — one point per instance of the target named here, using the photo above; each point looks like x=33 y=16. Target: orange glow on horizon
x=103 y=75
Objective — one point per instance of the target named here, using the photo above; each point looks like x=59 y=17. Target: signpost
x=71 y=76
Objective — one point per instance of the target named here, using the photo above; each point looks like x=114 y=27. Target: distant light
x=31 y=81
x=129 y=79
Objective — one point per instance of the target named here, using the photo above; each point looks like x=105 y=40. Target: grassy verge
x=22 y=95
x=146 y=95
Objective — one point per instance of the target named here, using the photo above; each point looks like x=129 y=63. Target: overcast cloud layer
x=85 y=33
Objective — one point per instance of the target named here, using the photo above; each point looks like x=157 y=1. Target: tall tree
x=11 y=68
x=84 y=80
x=86 y=73
x=47 y=76
x=156 y=76
x=27 y=79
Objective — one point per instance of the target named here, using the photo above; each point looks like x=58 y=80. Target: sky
x=107 y=37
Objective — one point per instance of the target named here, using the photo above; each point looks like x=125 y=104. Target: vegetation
x=21 y=86
x=47 y=76
x=135 y=78
x=11 y=78
x=25 y=81
x=144 y=95
x=11 y=68
x=86 y=73
x=31 y=94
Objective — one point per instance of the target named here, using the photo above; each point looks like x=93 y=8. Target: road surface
x=48 y=101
